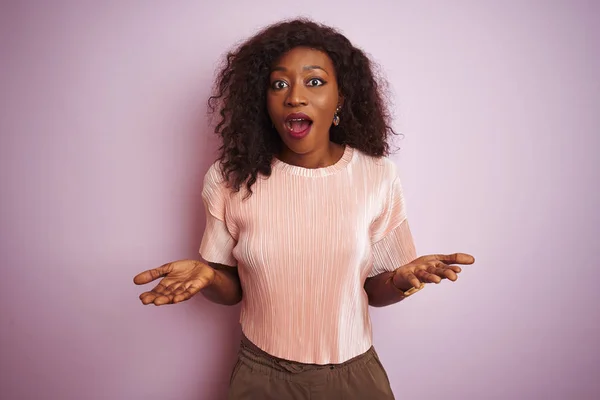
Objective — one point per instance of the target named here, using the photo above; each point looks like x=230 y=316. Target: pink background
x=104 y=143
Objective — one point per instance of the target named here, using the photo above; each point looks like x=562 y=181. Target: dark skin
x=302 y=80
x=184 y=278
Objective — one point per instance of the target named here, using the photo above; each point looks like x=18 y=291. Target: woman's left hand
x=430 y=269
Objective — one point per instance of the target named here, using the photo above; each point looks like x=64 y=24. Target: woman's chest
x=316 y=225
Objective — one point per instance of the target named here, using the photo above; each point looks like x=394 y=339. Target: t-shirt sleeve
x=217 y=242
x=392 y=241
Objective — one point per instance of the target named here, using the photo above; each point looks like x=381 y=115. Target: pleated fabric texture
x=304 y=243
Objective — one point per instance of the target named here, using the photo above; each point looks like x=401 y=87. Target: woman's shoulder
x=380 y=166
x=214 y=179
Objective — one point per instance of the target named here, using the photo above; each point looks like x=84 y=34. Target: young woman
x=305 y=218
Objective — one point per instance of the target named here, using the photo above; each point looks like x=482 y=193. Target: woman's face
x=302 y=99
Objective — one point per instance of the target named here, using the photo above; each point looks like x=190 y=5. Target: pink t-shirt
x=304 y=243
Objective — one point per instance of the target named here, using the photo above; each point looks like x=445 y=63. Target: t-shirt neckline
x=339 y=165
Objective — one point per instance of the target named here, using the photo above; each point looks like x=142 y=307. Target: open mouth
x=298 y=124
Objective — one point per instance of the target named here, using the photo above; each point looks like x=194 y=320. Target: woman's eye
x=315 y=82
x=279 y=85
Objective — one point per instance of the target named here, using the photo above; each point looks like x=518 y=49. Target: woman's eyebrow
x=311 y=67
x=305 y=68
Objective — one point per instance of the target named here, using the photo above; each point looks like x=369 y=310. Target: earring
x=336 y=117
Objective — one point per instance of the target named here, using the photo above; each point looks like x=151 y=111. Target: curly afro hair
x=249 y=140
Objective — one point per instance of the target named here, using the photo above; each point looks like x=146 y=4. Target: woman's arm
x=225 y=288
x=391 y=287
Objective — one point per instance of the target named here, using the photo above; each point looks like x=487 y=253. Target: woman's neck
x=318 y=158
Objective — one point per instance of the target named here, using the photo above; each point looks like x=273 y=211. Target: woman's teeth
x=297 y=124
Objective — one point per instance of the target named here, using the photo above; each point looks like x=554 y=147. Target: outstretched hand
x=431 y=269
x=181 y=280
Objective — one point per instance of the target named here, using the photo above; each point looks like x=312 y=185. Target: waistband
x=261 y=361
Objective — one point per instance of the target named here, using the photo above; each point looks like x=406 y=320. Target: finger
x=442 y=271
x=152 y=274
x=186 y=294
x=147 y=297
x=412 y=279
x=178 y=298
x=448 y=274
x=456 y=258
x=446 y=271
x=428 y=277
x=179 y=290
x=172 y=288
x=161 y=300
x=160 y=289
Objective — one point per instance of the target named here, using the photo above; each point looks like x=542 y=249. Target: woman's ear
x=340 y=101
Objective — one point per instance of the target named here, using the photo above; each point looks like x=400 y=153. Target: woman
x=305 y=218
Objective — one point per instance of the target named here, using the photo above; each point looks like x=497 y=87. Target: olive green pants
x=258 y=375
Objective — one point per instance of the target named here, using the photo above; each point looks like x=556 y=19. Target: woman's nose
x=296 y=96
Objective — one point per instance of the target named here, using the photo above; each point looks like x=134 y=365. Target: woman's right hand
x=181 y=280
